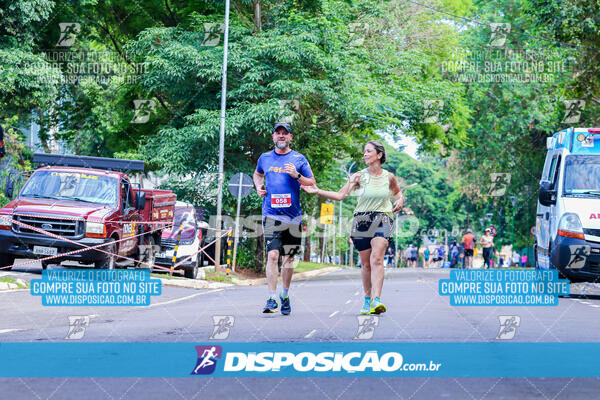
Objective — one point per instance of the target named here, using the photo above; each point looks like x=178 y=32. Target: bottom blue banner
x=382 y=359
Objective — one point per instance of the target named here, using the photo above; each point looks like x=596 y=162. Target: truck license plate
x=45 y=251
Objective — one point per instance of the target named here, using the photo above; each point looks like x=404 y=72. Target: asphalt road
x=324 y=309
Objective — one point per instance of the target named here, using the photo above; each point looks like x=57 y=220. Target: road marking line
x=349 y=301
x=584 y=302
x=595 y=305
x=182 y=298
x=310 y=334
x=356 y=293
x=333 y=313
x=10 y=330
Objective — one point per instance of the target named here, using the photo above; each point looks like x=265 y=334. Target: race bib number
x=281 y=200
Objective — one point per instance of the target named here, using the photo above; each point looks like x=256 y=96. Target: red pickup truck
x=75 y=201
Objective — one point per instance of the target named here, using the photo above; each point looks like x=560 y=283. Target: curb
x=204 y=284
x=295 y=277
x=194 y=284
x=19 y=285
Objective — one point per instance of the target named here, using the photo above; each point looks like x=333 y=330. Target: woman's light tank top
x=374 y=194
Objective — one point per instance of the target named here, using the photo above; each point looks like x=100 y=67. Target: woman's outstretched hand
x=398 y=205
x=312 y=189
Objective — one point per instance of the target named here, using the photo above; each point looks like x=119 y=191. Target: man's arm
x=259 y=183
x=290 y=168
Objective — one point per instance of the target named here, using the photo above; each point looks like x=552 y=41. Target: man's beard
x=282 y=145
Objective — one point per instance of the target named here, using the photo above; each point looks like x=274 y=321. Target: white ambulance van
x=568 y=210
x=189 y=244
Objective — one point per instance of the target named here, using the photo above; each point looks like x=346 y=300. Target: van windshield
x=184 y=216
x=72 y=186
x=582 y=174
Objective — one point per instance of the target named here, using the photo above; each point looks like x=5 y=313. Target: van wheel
x=192 y=272
x=108 y=261
x=6 y=261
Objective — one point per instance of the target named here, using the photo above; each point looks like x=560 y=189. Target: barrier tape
x=85 y=247
x=92 y=219
x=205 y=253
x=98 y=247
x=201 y=250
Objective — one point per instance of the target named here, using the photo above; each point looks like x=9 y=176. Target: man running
x=469 y=243
x=284 y=170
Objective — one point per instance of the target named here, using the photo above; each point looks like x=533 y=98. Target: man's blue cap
x=285 y=126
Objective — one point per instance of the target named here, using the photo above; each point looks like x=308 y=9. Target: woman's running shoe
x=377 y=307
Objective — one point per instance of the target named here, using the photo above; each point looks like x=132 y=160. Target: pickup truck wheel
x=108 y=261
x=6 y=261
x=192 y=272
x=148 y=256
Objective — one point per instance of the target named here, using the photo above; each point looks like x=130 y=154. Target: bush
x=246 y=256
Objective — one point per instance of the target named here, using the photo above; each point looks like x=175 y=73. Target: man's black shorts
x=367 y=225
x=282 y=236
x=468 y=252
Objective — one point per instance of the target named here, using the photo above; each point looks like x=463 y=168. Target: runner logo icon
x=222 y=326
x=366 y=326
x=508 y=326
x=207 y=359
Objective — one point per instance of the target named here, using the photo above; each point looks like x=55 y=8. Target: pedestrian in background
x=389 y=257
x=461 y=255
x=516 y=259
x=487 y=242
x=411 y=256
x=454 y=254
x=469 y=243
x=441 y=252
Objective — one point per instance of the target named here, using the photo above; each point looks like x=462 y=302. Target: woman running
x=373 y=219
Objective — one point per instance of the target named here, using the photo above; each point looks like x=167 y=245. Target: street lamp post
x=222 y=136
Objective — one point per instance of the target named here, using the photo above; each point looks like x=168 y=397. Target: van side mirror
x=140 y=200
x=547 y=196
x=9 y=188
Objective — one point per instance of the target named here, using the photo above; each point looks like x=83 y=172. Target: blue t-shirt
x=282 y=201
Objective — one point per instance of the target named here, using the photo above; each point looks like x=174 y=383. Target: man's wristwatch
x=299 y=176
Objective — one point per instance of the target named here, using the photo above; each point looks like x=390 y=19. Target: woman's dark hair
x=378 y=148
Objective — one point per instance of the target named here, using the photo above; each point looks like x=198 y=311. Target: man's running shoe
x=271 y=306
x=286 y=309
x=377 y=307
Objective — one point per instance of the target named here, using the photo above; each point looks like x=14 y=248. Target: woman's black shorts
x=367 y=225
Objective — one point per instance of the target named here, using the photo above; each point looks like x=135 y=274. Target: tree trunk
x=257 y=16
